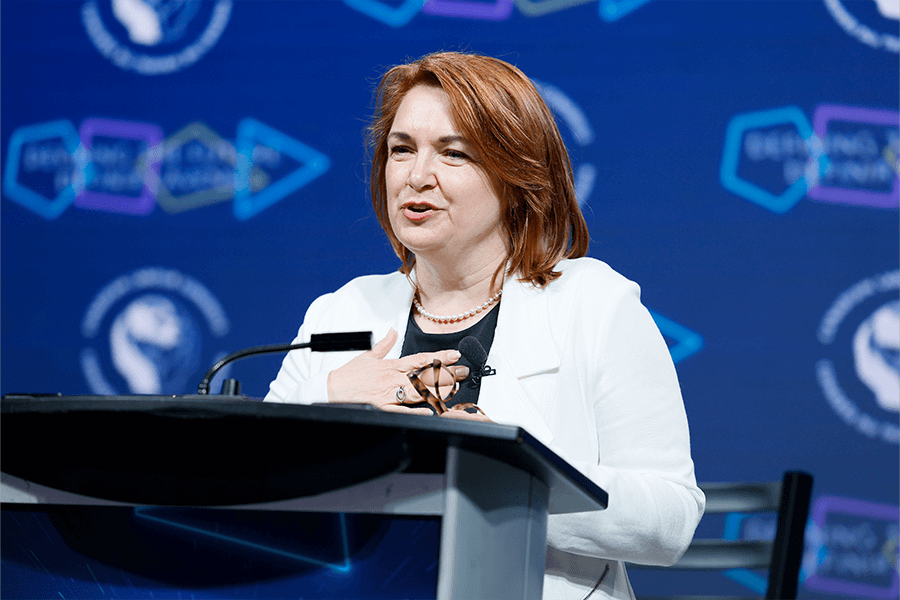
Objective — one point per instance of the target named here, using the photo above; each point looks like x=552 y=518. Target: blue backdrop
x=181 y=179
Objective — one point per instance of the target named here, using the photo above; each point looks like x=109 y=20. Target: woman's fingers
x=426 y=359
x=438 y=381
x=460 y=372
x=465 y=416
x=398 y=408
x=384 y=346
x=371 y=378
x=409 y=395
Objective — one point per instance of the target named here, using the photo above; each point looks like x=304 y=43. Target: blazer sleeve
x=643 y=455
x=299 y=381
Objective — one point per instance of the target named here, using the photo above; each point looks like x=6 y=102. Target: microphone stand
x=318 y=342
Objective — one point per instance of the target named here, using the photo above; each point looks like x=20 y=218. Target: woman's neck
x=443 y=291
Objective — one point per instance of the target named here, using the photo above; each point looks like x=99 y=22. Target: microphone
x=318 y=342
x=474 y=352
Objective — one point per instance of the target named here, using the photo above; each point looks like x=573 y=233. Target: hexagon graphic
x=731 y=156
x=252 y=133
x=536 y=8
x=49 y=208
x=141 y=166
x=500 y=10
x=198 y=159
x=687 y=342
x=613 y=10
x=880 y=522
x=395 y=16
x=827 y=114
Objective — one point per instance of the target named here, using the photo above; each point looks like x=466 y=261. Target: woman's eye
x=456 y=155
x=399 y=150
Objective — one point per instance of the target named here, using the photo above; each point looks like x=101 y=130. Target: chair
x=782 y=557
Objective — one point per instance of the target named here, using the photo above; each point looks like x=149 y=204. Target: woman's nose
x=421 y=175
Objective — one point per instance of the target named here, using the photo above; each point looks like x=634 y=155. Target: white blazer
x=582 y=367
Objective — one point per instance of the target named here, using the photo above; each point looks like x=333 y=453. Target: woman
x=473 y=186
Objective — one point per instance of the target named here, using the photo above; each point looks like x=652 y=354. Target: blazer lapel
x=524 y=330
x=523 y=347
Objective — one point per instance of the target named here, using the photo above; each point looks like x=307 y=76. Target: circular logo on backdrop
x=149 y=332
x=154 y=37
x=874 y=22
x=581 y=131
x=860 y=373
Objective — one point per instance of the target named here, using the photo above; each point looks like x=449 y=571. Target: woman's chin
x=420 y=241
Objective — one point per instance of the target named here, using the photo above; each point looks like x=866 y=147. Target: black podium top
x=229 y=450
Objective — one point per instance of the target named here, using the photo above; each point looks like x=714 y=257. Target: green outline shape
x=544 y=7
x=214 y=195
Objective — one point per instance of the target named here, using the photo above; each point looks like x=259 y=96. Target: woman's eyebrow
x=449 y=139
x=446 y=139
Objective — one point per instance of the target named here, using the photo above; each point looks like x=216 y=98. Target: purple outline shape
x=127 y=130
x=853 y=114
x=847 y=506
x=498 y=11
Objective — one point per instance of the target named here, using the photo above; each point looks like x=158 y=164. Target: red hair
x=501 y=114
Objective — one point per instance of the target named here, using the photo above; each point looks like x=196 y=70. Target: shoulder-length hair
x=501 y=114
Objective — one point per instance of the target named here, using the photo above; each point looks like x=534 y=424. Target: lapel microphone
x=474 y=352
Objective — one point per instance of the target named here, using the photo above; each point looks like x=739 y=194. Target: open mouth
x=418 y=208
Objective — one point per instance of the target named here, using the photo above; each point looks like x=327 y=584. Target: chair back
x=790 y=499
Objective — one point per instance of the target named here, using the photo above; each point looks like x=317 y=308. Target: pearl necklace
x=454 y=318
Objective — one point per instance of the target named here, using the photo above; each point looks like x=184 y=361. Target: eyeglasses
x=437 y=385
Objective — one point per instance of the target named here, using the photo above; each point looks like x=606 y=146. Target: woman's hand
x=466 y=416
x=370 y=378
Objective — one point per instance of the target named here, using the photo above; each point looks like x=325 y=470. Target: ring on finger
x=401 y=394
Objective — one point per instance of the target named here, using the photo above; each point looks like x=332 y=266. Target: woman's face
x=441 y=203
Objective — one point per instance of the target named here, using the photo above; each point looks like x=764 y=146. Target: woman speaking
x=473 y=186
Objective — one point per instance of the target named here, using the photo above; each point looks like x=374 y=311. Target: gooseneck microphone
x=318 y=342
x=475 y=353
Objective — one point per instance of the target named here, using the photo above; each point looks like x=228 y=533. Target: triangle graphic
x=613 y=10
x=395 y=16
x=252 y=133
x=687 y=342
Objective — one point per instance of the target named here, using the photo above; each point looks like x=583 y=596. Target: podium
x=491 y=486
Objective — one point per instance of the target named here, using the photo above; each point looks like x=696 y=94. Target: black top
x=418 y=341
